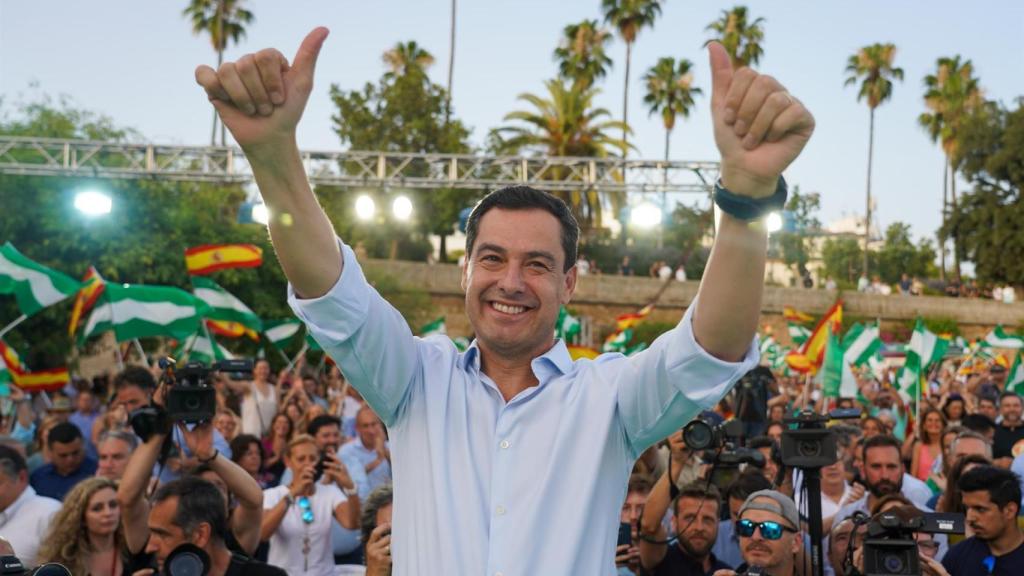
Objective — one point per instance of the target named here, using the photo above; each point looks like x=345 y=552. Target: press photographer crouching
x=769 y=535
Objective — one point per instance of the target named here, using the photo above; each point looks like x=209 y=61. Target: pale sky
x=133 y=60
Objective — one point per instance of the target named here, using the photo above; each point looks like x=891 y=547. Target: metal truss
x=84 y=158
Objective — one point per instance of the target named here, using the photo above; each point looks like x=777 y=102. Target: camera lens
x=697 y=435
x=893 y=563
x=192 y=403
x=186 y=564
x=809 y=448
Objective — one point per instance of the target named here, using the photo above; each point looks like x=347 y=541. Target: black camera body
x=191 y=398
x=811 y=444
x=890 y=548
x=720 y=446
x=11 y=565
x=700 y=434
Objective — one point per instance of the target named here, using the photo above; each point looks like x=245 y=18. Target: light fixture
x=773 y=222
x=402 y=208
x=260 y=214
x=365 y=207
x=93 y=203
x=646 y=215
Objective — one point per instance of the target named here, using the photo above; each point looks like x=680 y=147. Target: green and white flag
x=832 y=366
x=140 y=311
x=280 y=332
x=223 y=304
x=33 y=285
x=861 y=343
x=619 y=342
x=798 y=334
x=567 y=327
x=435 y=327
x=998 y=338
x=1015 y=379
x=924 y=350
x=201 y=347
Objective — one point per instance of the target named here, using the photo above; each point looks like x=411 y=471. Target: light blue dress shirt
x=530 y=486
x=380 y=475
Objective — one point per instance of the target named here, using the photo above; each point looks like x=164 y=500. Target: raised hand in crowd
x=378 y=551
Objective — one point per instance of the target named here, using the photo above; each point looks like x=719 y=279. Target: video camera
x=811 y=444
x=720 y=446
x=890 y=547
x=11 y=565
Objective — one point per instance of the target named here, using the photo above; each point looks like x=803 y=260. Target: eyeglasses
x=769 y=530
x=307 y=511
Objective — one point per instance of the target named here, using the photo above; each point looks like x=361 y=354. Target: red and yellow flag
x=793 y=315
x=208 y=258
x=86 y=298
x=629 y=320
x=37 y=381
x=809 y=356
x=231 y=329
x=577 y=352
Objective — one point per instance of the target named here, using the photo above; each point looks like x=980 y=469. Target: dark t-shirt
x=969 y=558
x=677 y=563
x=47 y=482
x=1002 y=445
x=242 y=566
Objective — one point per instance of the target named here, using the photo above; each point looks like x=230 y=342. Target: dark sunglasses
x=769 y=530
x=307 y=511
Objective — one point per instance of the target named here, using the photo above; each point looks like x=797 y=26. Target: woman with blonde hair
x=86 y=534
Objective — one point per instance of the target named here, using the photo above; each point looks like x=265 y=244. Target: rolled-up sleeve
x=675 y=379
x=365 y=335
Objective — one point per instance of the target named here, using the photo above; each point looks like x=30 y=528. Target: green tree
x=951 y=94
x=741 y=39
x=842 y=260
x=403 y=112
x=900 y=256
x=581 y=54
x=873 y=67
x=629 y=17
x=795 y=244
x=222 y=20
x=566 y=123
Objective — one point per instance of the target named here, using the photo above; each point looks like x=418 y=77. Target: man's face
x=11 y=488
x=965 y=446
x=132 y=398
x=113 y=453
x=164 y=535
x=838 y=543
x=632 y=508
x=309 y=385
x=697 y=525
x=368 y=427
x=84 y=402
x=67 y=457
x=226 y=425
x=988 y=408
x=985 y=518
x=871 y=428
x=1011 y=409
x=883 y=470
x=769 y=554
x=514 y=282
x=328 y=438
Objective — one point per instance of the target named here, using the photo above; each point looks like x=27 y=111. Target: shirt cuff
x=686 y=355
x=334 y=317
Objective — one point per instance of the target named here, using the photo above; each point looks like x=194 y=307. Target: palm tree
x=873 y=67
x=222 y=20
x=581 y=54
x=629 y=17
x=670 y=92
x=741 y=39
x=406 y=58
x=951 y=94
x=565 y=123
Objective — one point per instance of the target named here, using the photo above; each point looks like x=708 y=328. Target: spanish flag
x=86 y=298
x=629 y=320
x=208 y=258
x=577 y=352
x=231 y=329
x=37 y=381
x=811 y=354
x=793 y=315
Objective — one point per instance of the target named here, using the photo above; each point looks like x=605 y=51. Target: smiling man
x=520 y=453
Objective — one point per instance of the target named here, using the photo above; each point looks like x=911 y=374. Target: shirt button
x=505 y=444
x=500 y=511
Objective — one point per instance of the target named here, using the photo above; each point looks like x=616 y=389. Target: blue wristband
x=746 y=208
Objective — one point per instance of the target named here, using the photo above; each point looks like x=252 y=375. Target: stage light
x=93 y=203
x=646 y=215
x=773 y=222
x=402 y=208
x=365 y=207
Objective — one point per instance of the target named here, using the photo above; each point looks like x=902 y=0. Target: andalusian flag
x=280 y=332
x=629 y=320
x=1015 y=379
x=201 y=347
x=209 y=258
x=861 y=344
x=33 y=285
x=139 y=311
x=224 y=305
x=86 y=298
x=435 y=327
x=618 y=341
x=999 y=338
x=567 y=326
x=924 y=350
x=12 y=370
x=834 y=365
x=809 y=356
x=798 y=334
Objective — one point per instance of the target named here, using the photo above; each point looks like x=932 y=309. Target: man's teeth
x=508 y=309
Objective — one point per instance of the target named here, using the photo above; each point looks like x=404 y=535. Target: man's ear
x=798 y=542
x=569 y=288
x=464 y=281
x=202 y=535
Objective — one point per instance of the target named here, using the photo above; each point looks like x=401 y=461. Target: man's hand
x=378 y=550
x=260 y=98
x=932 y=567
x=626 y=555
x=199 y=440
x=759 y=127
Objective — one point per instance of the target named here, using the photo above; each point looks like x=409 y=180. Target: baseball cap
x=781 y=504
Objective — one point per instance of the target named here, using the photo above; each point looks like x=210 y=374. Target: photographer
x=882 y=474
x=769 y=534
x=695 y=524
x=992 y=498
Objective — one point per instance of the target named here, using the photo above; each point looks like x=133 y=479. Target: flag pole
x=142 y=353
x=120 y=359
x=11 y=326
x=291 y=363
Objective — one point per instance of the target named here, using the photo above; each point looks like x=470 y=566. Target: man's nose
x=512 y=279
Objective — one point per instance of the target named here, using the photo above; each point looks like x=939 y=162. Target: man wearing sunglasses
x=769 y=531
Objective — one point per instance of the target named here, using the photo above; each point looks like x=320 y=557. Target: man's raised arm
x=260 y=98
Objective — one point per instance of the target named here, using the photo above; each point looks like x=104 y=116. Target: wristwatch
x=350 y=492
x=746 y=208
x=289 y=499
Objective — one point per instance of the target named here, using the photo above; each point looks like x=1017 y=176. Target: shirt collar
x=555 y=362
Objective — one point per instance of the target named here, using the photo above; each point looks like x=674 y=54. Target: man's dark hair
x=639 y=483
x=1008 y=394
x=198 y=501
x=12 y=463
x=747 y=483
x=978 y=423
x=379 y=498
x=524 y=198
x=321 y=421
x=1002 y=485
x=700 y=490
x=878 y=441
x=135 y=376
x=65 y=433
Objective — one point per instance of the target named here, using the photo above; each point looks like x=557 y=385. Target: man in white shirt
x=24 y=515
x=491 y=444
